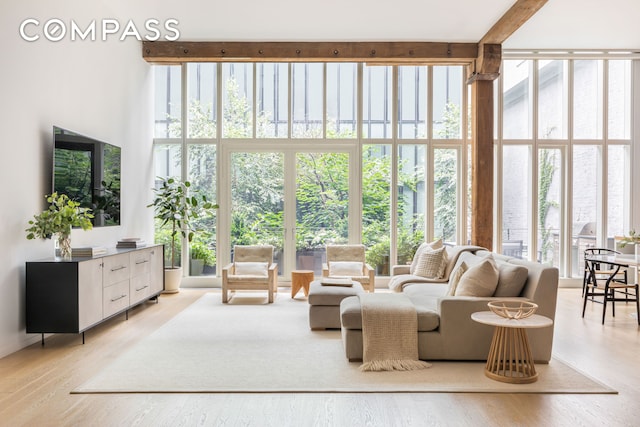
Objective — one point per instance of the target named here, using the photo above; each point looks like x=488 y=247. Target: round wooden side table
x=510 y=359
x=300 y=279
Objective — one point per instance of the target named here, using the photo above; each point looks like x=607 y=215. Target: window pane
x=516 y=200
x=376 y=195
x=619 y=99
x=549 y=206
x=469 y=199
x=552 y=99
x=445 y=193
x=201 y=87
x=168 y=110
x=272 y=85
x=342 y=93
x=237 y=99
x=587 y=103
x=167 y=161
x=411 y=200
x=618 y=190
x=447 y=102
x=257 y=201
x=412 y=102
x=516 y=93
x=202 y=175
x=376 y=102
x=307 y=100
x=322 y=206
x=586 y=164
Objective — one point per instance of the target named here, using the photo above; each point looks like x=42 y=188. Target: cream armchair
x=252 y=269
x=349 y=261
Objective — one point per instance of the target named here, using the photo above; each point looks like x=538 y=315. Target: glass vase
x=63 y=246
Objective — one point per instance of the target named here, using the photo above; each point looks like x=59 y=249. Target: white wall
x=100 y=89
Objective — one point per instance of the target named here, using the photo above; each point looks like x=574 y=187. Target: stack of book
x=131 y=242
x=89 y=251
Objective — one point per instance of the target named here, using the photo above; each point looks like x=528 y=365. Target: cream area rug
x=248 y=346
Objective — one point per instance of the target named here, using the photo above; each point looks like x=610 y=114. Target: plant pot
x=196 y=267
x=172 y=279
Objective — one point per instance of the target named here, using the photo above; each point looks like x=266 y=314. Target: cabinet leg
x=42 y=340
x=82 y=337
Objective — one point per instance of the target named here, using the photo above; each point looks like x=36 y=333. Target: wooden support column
x=480 y=75
x=482 y=163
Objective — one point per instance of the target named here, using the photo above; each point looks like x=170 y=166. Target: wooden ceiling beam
x=487 y=65
x=513 y=19
x=159 y=52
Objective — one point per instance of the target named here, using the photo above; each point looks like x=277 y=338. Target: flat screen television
x=88 y=171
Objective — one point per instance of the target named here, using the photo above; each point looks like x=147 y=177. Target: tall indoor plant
x=57 y=220
x=176 y=208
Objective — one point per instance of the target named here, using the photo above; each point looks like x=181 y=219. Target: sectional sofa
x=445 y=328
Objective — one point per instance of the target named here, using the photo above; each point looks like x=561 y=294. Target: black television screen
x=88 y=171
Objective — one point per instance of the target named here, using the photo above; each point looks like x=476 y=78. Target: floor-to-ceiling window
x=564 y=145
x=300 y=155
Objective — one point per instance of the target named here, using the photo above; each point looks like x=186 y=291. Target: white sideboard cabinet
x=71 y=296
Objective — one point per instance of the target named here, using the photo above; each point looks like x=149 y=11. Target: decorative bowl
x=513 y=309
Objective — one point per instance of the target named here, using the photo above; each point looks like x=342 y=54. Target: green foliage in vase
x=58 y=219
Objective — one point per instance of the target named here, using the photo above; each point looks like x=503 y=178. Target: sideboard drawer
x=115 y=298
x=116 y=269
x=139 y=288
x=140 y=262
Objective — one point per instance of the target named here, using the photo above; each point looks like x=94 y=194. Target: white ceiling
x=560 y=24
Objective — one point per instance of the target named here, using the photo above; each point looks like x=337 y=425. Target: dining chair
x=606 y=282
x=601 y=271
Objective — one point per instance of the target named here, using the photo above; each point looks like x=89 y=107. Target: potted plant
x=201 y=255
x=57 y=220
x=179 y=210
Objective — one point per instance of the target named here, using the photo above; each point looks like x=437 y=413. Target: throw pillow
x=455 y=277
x=430 y=263
x=480 y=280
x=345 y=268
x=423 y=247
x=445 y=262
x=252 y=269
x=511 y=280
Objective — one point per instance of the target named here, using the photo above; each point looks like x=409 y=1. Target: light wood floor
x=35 y=384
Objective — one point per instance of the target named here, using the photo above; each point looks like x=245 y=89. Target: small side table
x=510 y=359
x=301 y=279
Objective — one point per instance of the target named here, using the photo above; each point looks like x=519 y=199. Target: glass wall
x=575 y=165
x=563 y=141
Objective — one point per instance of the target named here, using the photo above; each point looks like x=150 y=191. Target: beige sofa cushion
x=455 y=277
x=511 y=280
x=428 y=318
x=479 y=280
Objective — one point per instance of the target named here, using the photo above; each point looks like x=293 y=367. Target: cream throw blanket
x=389 y=333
